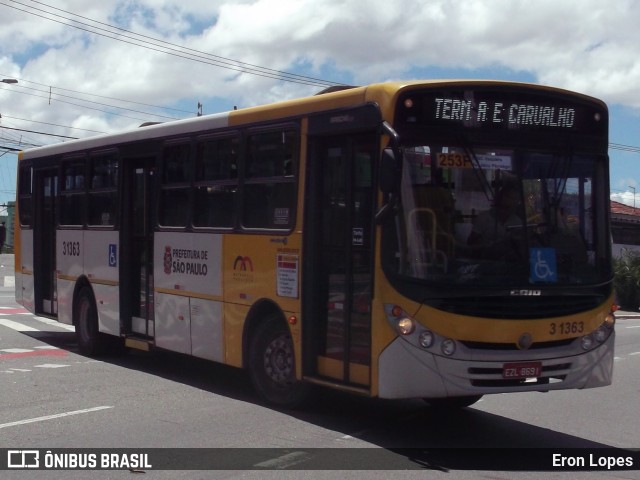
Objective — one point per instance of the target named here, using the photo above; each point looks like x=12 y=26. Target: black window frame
x=105 y=186
x=25 y=198
x=72 y=196
x=173 y=187
x=268 y=185
x=226 y=184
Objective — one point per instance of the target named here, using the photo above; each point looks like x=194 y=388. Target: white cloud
x=627 y=198
x=587 y=45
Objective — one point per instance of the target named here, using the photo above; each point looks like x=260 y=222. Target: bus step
x=137 y=343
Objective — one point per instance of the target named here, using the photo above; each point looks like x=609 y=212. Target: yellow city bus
x=438 y=239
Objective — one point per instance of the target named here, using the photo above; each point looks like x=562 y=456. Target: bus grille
x=517 y=307
x=513 y=346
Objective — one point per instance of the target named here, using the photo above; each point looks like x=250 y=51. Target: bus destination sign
x=492 y=110
x=500 y=112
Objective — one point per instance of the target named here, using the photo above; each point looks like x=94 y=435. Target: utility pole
x=634 y=198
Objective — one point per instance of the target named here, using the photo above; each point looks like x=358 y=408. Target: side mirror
x=389 y=172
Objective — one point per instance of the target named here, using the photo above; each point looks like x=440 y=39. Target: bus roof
x=332 y=99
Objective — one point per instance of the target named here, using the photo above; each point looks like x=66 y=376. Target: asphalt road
x=54 y=398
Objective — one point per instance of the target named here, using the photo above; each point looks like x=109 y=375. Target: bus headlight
x=418 y=335
x=405 y=326
x=426 y=339
x=448 y=347
x=586 y=342
x=601 y=334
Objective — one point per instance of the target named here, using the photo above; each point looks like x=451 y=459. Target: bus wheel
x=272 y=365
x=452 y=403
x=90 y=340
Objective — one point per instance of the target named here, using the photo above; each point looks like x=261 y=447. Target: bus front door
x=338 y=267
x=136 y=273
x=44 y=238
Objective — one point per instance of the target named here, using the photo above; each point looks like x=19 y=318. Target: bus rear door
x=136 y=272
x=44 y=239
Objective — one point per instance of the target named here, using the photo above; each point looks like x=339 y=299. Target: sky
x=84 y=68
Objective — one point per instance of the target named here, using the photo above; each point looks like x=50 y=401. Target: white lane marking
x=51 y=417
x=55 y=323
x=18 y=327
x=16 y=350
x=51 y=365
x=634 y=353
x=633 y=326
x=20 y=369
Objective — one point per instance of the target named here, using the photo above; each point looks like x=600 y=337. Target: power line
x=52 y=124
x=173 y=49
x=14 y=138
x=245 y=67
x=224 y=60
x=612 y=146
x=104 y=97
x=48 y=97
x=624 y=148
x=143 y=41
x=39 y=133
x=168 y=48
x=49 y=94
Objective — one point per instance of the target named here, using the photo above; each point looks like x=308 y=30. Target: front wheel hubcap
x=278 y=359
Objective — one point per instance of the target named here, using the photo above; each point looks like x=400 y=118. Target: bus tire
x=272 y=365
x=90 y=341
x=452 y=403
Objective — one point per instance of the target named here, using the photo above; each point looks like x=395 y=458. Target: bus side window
x=216 y=182
x=270 y=182
x=102 y=193
x=72 y=197
x=176 y=178
x=25 y=198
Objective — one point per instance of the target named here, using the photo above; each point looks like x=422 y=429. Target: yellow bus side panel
x=332 y=368
x=234 y=317
x=258 y=268
x=263 y=267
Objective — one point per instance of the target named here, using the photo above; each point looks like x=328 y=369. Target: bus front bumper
x=406 y=371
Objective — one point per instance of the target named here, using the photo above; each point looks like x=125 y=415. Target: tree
x=626 y=280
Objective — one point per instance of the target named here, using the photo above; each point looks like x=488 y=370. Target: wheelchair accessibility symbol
x=542 y=265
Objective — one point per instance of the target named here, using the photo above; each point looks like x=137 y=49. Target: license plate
x=521 y=370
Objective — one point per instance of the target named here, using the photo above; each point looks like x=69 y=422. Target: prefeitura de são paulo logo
x=167 y=260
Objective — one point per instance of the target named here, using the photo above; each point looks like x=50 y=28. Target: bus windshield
x=498 y=217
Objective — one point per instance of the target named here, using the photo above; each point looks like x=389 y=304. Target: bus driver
x=490 y=228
